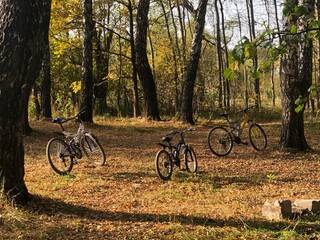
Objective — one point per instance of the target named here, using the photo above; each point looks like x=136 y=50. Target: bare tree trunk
x=219 y=55
x=87 y=77
x=37 y=108
x=257 y=98
x=174 y=56
x=143 y=67
x=227 y=81
x=191 y=71
x=23 y=31
x=136 y=104
x=45 y=87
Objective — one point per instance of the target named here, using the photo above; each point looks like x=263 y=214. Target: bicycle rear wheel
x=59 y=156
x=257 y=137
x=190 y=160
x=220 y=141
x=93 y=149
x=164 y=166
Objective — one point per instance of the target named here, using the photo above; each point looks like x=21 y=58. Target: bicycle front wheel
x=59 y=156
x=164 y=166
x=190 y=160
x=92 y=148
x=257 y=137
x=220 y=141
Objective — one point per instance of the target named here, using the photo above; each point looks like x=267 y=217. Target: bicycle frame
x=169 y=156
x=174 y=149
x=73 y=138
x=241 y=123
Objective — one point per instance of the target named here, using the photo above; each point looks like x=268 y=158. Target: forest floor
x=127 y=200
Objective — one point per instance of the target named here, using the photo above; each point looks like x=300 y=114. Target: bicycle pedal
x=245 y=143
x=75 y=162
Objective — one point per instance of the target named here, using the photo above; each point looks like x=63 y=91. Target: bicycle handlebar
x=246 y=109
x=61 y=120
x=241 y=111
x=176 y=132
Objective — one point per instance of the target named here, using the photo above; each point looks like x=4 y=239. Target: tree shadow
x=52 y=207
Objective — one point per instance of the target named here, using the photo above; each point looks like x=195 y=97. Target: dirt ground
x=127 y=200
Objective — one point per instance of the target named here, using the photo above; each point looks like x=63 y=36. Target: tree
x=87 y=76
x=46 y=83
x=23 y=29
x=136 y=105
x=143 y=67
x=297 y=74
x=250 y=10
x=191 y=71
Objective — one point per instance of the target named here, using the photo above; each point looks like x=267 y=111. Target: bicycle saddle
x=166 y=139
x=56 y=120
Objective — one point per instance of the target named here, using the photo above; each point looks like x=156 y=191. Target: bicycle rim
x=190 y=160
x=59 y=156
x=163 y=164
x=257 y=137
x=220 y=141
x=93 y=149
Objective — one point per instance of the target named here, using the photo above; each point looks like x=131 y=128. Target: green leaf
x=228 y=73
x=299 y=108
x=256 y=74
x=293 y=29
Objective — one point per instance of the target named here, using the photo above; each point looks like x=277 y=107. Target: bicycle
x=169 y=155
x=61 y=153
x=220 y=140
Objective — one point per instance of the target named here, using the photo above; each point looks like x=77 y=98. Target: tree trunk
x=46 y=84
x=136 y=103
x=23 y=29
x=37 y=108
x=143 y=67
x=297 y=79
x=191 y=71
x=219 y=55
x=257 y=99
x=102 y=64
x=87 y=78
x=174 y=56
x=227 y=81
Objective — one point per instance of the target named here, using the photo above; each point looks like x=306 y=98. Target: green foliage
x=228 y=74
x=290 y=8
x=300 y=102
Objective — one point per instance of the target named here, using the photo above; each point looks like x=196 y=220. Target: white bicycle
x=61 y=153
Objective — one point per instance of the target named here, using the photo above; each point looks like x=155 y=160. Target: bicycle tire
x=257 y=137
x=93 y=150
x=220 y=141
x=190 y=160
x=59 y=156
x=163 y=164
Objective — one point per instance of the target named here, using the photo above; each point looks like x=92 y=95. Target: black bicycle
x=61 y=153
x=169 y=155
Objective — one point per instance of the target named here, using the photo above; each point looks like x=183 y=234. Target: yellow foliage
x=75 y=86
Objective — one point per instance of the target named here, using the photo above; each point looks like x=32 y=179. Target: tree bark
x=143 y=67
x=191 y=71
x=23 y=29
x=46 y=84
x=136 y=103
x=87 y=77
x=256 y=80
x=295 y=82
x=219 y=55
